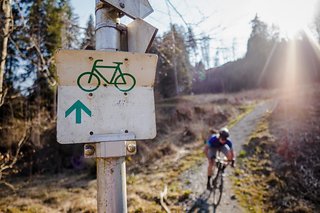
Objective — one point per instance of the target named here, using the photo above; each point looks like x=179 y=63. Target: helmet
x=224 y=133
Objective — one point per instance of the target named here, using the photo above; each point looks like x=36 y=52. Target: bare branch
x=164 y=57
x=8 y=185
x=3 y=95
x=9 y=165
x=44 y=63
x=179 y=14
x=22 y=55
x=163 y=198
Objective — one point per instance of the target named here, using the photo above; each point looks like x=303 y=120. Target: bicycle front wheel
x=217 y=189
x=88 y=81
x=125 y=82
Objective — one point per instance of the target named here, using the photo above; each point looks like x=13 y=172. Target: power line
x=157 y=20
x=169 y=12
x=175 y=9
x=160 y=11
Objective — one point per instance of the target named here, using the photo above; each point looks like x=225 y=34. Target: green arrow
x=78 y=106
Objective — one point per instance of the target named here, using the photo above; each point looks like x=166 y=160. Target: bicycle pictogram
x=90 y=81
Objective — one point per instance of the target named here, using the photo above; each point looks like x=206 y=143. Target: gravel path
x=200 y=198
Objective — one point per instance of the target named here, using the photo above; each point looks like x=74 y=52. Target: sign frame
x=105 y=113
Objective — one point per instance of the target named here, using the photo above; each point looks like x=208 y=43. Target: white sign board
x=105 y=96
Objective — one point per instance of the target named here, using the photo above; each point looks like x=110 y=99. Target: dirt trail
x=200 y=201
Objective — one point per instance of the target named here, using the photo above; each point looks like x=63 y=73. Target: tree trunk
x=5 y=32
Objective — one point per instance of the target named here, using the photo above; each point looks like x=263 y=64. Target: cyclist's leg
x=210 y=166
x=211 y=155
x=227 y=152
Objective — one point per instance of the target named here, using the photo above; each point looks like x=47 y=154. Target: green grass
x=246 y=110
x=251 y=180
x=242 y=154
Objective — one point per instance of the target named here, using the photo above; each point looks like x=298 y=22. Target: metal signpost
x=106 y=98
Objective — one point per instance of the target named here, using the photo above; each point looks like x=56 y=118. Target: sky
x=226 y=22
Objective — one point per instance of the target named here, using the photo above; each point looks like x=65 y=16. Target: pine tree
x=205 y=50
x=51 y=25
x=175 y=70
x=39 y=28
x=70 y=29
x=89 y=40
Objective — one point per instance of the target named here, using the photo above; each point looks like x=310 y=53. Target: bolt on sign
x=132 y=8
x=105 y=96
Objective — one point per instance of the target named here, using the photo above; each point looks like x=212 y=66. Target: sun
x=298 y=54
x=289 y=27
x=291 y=16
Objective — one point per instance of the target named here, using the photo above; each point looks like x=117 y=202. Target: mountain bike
x=217 y=182
x=90 y=81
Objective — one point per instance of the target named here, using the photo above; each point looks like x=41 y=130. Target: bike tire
x=123 y=87
x=217 y=189
x=90 y=88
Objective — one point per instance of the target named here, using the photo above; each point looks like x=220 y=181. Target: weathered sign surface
x=105 y=96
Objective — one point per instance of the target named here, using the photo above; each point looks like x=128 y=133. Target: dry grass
x=144 y=188
x=275 y=173
x=182 y=124
x=54 y=193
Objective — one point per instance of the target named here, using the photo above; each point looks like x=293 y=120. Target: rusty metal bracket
x=110 y=149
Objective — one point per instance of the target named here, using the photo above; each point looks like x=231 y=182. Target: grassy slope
x=275 y=173
x=182 y=125
x=254 y=173
x=145 y=190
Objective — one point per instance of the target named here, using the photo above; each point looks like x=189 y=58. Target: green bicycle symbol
x=90 y=81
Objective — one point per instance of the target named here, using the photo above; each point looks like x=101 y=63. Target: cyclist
x=215 y=143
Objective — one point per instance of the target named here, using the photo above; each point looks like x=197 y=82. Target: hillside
x=182 y=125
x=279 y=169
x=266 y=64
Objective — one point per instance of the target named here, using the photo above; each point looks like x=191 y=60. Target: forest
x=33 y=30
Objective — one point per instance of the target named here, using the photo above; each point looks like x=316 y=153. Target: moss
x=246 y=110
x=184 y=195
x=13 y=210
x=187 y=182
x=131 y=179
x=251 y=182
x=34 y=208
x=242 y=154
x=138 y=210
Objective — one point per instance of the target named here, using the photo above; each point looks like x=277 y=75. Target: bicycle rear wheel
x=217 y=189
x=125 y=82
